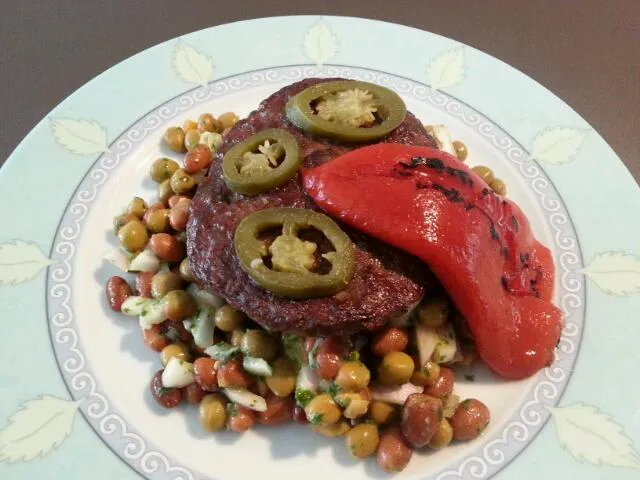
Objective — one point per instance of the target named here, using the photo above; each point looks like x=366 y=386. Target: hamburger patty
x=387 y=283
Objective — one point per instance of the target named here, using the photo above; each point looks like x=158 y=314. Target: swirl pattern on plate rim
x=489 y=456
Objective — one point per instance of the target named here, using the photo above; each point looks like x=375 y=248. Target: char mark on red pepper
x=480 y=247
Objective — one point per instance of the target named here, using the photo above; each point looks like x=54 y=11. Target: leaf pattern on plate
x=446 y=69
x=21 y=261
x=40 y=426
x=557 y=145
x=80 y=136
x=192 y=65
x=320 y=43
x=592 y=436
x=615 y=273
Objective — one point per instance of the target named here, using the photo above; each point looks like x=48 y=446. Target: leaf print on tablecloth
x=21 y=261
x=615 y=273
x=557 y=145
x=320 y=43
x=192 y=65
x=80 y=136
x=40 y=426
x=446 y=69
x=592 y=436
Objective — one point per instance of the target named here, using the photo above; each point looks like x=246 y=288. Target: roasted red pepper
x=478 y=244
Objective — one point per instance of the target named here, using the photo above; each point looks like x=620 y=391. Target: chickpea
x=390 y=339
x=322 y=410
x=228 y=318
x=283 y=381
x=334 y=430
x=205 y=372
x=179 y=305
x=157 y=220
x=258 y=343
x=485 y=173
x=166 y=397
x=353 y=376
x=117 y=290
x=433 y=312
x=498 y=186
x=443 y=386
x=162 y=169
x=191 y=139
x=166 y=247
x=427 y=375
x=185 y=271
x=393 y=452
x=236 y=338
x=174 y=138
x=213 y=412
x=227 y=120
x=207 y=123
x=470 y=419
x=154 y=338
x=137 y=206
x=461 y=150
x=121 y=220
x=174 y=350
x=134 y=236
x=382 y=413
x=181 y=182
x=443 y=435
x=355 y=405
x=165 y=191
x=179 y=214
x=396 y=368
x=189 y=125
x=164 y=282
x=362 y=440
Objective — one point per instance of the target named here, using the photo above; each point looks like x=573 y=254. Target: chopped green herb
x=470 y=377
x=316 y=419
x=303 y=397
x=332 y=390
x=222 y=351
x=466 y=404
x=232 y=409
x=354 y=357
x=342 y=401
x=162 y=391
x=294 y=348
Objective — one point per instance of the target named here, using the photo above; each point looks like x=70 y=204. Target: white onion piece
x=145 y=261
x=427 y=339
x=118 y=259
x=396 y=395
x=204 y=298
x=257 y=366
x=152 y=314
x=441 y=132
x=134 y=305
x=245 y=398
x=177 y=374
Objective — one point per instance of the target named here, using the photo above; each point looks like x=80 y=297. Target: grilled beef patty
x=387 y=282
